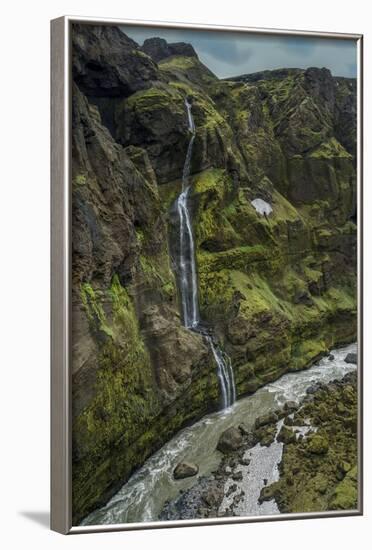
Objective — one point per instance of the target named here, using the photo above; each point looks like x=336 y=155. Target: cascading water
x=225 y=374
x=187 y=267
x=188 y=277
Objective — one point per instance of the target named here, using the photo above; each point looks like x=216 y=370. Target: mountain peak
x=158 y=49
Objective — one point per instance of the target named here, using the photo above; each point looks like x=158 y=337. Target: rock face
x=277 y=290
x=185 y=469
x=106 y=63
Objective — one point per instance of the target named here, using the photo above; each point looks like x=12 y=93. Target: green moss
x=318 y=444
x=330 y=149
x=213 y=228
x=125 y=395
x=168 y=193
x=93 y=304
x=345 y=495
x=154 y=98
x=316 y=472
x=242 y=258
x=178 y=62
x=80 y=179
x=214 y=180
x=157 y=274
x=183 y=87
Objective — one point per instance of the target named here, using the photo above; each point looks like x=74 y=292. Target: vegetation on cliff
x=278 y=290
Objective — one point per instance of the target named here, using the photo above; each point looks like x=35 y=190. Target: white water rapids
x=143 y=497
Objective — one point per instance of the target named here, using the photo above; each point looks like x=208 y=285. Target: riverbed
x=143 y=497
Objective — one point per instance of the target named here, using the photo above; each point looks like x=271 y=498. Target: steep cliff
x=278 y=289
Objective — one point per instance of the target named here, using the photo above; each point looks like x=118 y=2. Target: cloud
x=231 y=53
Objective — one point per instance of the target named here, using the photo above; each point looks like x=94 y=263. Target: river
x=143 y=497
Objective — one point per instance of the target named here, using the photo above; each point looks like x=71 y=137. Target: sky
x=231 y=54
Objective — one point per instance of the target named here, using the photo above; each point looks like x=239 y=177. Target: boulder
x=267 y=492
x=290 y=406
x=266 y=435
x=230 y=440
x=312 y=389
x=286 y=435
x=351 y=358
x=237 y=476
x=243 y=429
x=213 y=497
x=265 y=419
x=185 y=469
x=318 y=444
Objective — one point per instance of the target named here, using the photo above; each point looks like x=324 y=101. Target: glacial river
x=142 y=498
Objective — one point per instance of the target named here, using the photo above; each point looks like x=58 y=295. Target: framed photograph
x=206 y=274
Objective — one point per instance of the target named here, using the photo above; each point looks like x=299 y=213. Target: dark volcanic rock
x=237 y=476
x=200 y=501
x=286 y=435
x=159 y=48
x=106 y=63
x=351 y=358
x=213 y=496
x=266 y=434
x=290 y=406
x=269 y=418
x=185 y=469
x=230 y=440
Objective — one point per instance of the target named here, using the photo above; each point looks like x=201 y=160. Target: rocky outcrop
x=107 y=63
x=158 y=49
x=318 y=471
x=277 y=291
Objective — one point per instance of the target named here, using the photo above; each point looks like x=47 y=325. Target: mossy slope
x=278 y=290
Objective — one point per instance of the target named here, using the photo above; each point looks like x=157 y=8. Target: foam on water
x=142 y=498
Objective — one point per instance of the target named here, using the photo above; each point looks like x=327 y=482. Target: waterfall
x=188 y=280
x=225 y=374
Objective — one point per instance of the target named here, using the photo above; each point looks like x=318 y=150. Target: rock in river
x=230 y=440
x=351 y=358
x=265 y=419
x=290 y=406
x=185 y=469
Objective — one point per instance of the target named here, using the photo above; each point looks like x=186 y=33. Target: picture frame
x=61 y=269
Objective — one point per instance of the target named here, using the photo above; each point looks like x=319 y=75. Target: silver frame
x=61 y=270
